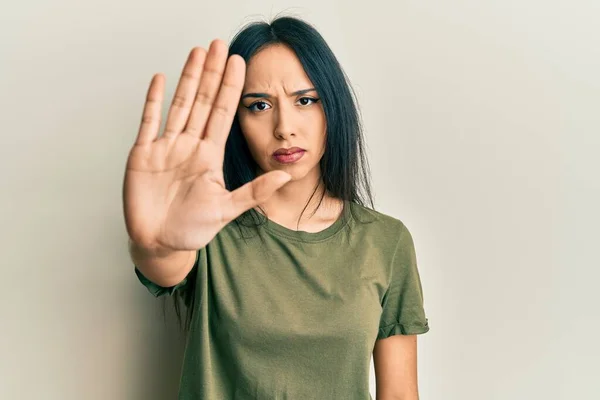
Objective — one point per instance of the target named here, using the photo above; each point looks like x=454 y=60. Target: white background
x=483 y=126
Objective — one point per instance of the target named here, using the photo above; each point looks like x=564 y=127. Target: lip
x=285 y=151
x=288 y=158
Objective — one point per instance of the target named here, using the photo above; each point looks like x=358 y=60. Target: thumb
x=255 y=192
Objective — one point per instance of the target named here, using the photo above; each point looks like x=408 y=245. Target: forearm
x=162 y=266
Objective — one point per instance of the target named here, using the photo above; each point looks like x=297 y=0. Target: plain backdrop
x=482 y=120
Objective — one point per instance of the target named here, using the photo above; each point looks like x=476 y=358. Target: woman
x=249 y=208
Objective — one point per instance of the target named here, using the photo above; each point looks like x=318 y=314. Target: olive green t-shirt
x=285 y=314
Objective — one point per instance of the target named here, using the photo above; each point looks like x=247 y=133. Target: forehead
x=276 y=65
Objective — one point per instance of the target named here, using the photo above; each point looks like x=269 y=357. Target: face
x=280 y=112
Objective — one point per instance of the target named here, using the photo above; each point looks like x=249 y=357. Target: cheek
x=320 y=129
x=253 y=132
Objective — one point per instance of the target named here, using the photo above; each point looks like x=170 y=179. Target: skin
x=285 y=118
x=395 y=362
x=279 y=117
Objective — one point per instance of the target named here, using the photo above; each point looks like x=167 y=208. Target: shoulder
x=377 y=221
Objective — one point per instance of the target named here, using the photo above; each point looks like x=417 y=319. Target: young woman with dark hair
x=254 y=211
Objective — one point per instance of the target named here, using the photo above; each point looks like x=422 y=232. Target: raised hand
x=174 y=193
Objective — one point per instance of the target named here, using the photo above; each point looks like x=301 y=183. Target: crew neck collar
x=304 y=236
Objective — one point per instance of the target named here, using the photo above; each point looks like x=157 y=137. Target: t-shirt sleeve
x=403 y=310
x=158 y=290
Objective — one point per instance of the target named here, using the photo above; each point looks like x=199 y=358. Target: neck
x=288 y=203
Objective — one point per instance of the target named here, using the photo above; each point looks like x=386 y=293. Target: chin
x=298 y=171
x=294 y=171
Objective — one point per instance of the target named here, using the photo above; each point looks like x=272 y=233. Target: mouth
x=284 y=151
x=288 y=156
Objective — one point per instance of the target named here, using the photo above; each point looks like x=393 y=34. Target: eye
x=304 y=101
x=258 y=106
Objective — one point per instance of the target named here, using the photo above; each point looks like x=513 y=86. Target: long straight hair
x=344 y=166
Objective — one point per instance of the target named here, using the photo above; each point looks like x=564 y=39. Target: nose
x=284 y=124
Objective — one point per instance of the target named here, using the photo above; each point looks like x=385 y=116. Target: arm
x=165 y=268
x=395 y=361
x=174 y=193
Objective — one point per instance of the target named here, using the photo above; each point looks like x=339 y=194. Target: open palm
x=174 y=194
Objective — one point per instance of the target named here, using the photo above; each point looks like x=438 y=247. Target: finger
x=151 y=116
x=255 y=192
x=225 y=106
x=209 y=86
x=185 y=92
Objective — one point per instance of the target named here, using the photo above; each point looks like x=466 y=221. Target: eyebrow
x=266 y=95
